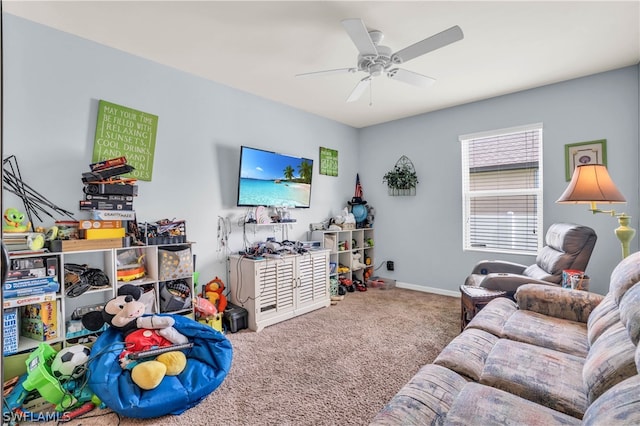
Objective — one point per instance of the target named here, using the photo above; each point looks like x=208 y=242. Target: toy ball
x=65 y=362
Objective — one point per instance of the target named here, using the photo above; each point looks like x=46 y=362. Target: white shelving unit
x=342 y=245
x=67 y=332
x=275 y=289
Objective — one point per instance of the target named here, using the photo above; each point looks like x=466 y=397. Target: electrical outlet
x=390 y=265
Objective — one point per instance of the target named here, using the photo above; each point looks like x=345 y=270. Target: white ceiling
x=260 y=46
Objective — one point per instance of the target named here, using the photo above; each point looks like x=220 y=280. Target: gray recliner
x=568 y=246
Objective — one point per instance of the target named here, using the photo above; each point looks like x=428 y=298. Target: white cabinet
x=343 y=245
x=276 y=289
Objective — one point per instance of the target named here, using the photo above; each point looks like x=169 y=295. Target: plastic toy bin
x=235 y=318
x=40 y=378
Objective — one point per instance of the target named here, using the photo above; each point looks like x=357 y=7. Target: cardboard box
x=113 y=215
x=28 y=300
x=102 y=234
x=10 y=330
x=80 y=245
x=39 y=321
x=100 y=224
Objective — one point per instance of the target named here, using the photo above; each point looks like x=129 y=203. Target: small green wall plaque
x=122 y=131
x=328 y=162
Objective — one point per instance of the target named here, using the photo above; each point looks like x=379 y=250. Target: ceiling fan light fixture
x=376 y=70
x=376 y=60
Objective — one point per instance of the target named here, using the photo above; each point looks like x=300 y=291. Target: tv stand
x=276 y=289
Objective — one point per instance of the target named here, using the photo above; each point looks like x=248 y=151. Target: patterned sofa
x=552 y=357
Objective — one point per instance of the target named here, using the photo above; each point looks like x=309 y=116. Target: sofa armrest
x=558 y=302
x=485 y=267
x=509 y=282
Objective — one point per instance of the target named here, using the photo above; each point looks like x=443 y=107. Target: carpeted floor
x=337 y=365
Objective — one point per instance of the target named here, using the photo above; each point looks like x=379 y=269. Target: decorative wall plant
x=402 y=179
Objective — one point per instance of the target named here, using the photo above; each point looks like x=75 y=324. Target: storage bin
x=235 y=318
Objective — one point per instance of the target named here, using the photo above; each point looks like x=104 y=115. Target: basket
x=347 y=226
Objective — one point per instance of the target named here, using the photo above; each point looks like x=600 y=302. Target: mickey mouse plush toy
x=125 y=313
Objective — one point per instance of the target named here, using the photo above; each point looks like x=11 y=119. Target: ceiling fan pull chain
x=371 y=94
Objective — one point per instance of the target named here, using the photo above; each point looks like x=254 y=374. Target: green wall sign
x=122 y=131
x=328 y=162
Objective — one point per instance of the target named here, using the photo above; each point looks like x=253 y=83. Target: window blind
x=502 y=190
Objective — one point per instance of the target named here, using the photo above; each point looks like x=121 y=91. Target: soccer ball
x=67 y=360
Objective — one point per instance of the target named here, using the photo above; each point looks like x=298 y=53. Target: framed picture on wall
x=592 y=152
x=328 y=161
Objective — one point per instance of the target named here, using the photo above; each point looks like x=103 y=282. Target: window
x=502 y=190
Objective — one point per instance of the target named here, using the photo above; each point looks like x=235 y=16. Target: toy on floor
x=41 y=389
x=208 y=363
x=125 y=313
x=213 y=291
x=70 y=362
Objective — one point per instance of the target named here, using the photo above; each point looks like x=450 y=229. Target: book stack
x=32 y=277
x=109 y=198
x=15 y=241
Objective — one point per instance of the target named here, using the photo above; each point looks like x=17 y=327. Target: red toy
x=204 y=307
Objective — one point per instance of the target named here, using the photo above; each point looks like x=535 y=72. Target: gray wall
x=423 y=234
x=53 y=82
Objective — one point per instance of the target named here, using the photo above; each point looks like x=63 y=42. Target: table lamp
x=591 y=184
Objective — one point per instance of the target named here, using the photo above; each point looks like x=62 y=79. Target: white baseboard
x=427 y=289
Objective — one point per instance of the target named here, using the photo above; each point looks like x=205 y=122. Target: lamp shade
x=591 y=183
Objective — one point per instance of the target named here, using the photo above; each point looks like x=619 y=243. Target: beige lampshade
x=591 y=183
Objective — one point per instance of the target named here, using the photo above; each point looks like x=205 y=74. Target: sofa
x=553 y=356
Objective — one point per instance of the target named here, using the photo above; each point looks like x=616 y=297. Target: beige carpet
x=336 y=365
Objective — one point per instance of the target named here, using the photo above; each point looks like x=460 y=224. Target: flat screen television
x=275 y=180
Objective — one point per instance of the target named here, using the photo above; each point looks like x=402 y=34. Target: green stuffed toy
x=13 y=219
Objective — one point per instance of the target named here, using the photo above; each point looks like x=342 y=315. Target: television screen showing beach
x=272 y=179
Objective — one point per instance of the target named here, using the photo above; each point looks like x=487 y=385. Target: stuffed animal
x=213 y=292
x=356 y=264
x=140 y=333
x=13 y=219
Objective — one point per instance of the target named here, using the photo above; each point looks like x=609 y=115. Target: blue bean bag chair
x=208 y=363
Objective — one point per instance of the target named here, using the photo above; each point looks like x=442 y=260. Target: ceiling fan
x=376 y=59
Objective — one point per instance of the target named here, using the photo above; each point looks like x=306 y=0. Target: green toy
x=13 y=219
x=40 y=378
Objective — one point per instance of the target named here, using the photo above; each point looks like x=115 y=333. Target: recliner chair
x=568 y=246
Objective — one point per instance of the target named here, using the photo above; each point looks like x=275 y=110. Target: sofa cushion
x=624 y=276
x=630 y=314
x=466 y=354
x=493 y=316
x=549 y=332
x=426 y=399
x=619 y=405
x=541 y=375
x=483 y=405
x=610 y=360
x=605 y=315
x=573 y=305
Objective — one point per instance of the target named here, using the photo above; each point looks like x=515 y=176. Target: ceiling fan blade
x=410 y=77
x=360 y=37
x=328 y=72
x=359 y=89
x=427 y=45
